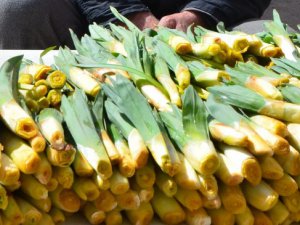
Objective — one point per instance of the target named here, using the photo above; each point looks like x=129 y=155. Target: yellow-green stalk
x=3 y=197
x=294 y=134
x=126 y=163
x=114 y=217
x=57 y=215
x=190 y=199
x=228 y=172
x=162 y=74
x=197 y=217
x=106 y=201
x=278 y=214
x=86 y=189
x=221 y=216
x=166 y=183
x=141 y=116
x=25 y=78
x=52 y=184
x=33 y=188
x=145 y=177
x=64 y=176
x=32 y=216
x=279 y=145
x=119 y=184
x=98 y=111
x=142 y=215
x=245 y=218
x=227 y=134
x=44 y=171
x=284 y=186
x=57 y=79
x=65 y=199
x=212 y=203
x=232 y=198
x=290 y=162
x=61 y=158
x=186 y=177
x=92 y=214
x=270 y=168
x=81 y=166
x=46 y=219
x=50 y=123
x=167 y=208
x=261 y=196
x=292 y=202
x=260 y=218
x=176 y=64
x=42 y=204
x=128 y=200
x=54 y=97
x=13 y=187
x=102 y=184
x=19 y=151
x=13 y=212
x=38 y=143
x=145 y=194
x=208 y=186
x=9 y=172
x=245 y=161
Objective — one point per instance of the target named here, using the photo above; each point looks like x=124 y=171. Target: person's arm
x=99 y=12
x=209 y=12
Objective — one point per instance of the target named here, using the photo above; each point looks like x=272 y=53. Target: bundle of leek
x=50 y=124
x=89 y=51
x=106 y=39
x=78 y=118
x=281 y=37
x=246 y=99
x=261 y=140
x=189 y=130
x=236 y=41
x=136 y=109
x=97 y=111
x=205 y=76
x=286 y=66
x=80 y=78
x=252 y=68
x=254 y=82
x=138 y=64
x=176 y=39
x=137 y=146
x=177 y=65
x=12 y=114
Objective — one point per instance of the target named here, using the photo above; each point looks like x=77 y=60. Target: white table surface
x=48 y=59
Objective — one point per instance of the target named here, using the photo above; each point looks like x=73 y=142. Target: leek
x=78 y=118
x=189 y=129
x=136 y=109
x=12 y=114
x=247 y=99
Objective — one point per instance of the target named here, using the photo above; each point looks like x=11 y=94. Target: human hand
x=181 y=21
x=143 y=20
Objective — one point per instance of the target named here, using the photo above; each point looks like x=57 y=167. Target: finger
x=168 y=21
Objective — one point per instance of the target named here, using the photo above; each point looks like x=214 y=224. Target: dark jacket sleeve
x=231 y=12
x=99 y=11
